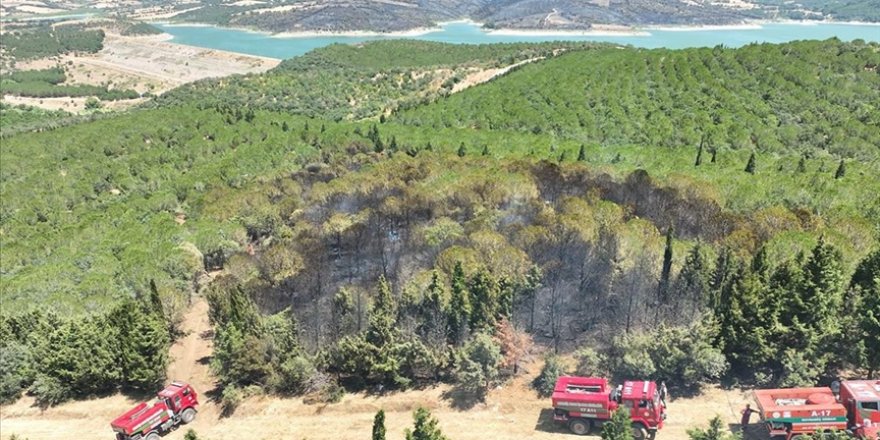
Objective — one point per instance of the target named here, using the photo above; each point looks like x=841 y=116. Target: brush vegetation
x=362 y=253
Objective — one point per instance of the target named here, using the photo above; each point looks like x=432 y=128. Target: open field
x=511 y=412
x=152 y=59
x=68 y=103
x=144 y=64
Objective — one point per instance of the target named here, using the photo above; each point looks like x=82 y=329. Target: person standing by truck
x=747 y=415
x=664 y=393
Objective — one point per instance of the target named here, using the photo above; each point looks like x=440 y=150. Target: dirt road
x=512 y=412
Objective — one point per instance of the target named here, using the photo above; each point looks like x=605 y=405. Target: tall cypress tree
x=841 y=170
x=699 y=160
x=750 y=166
x=582 y=154
x=666 y=271
x=761 y=264
x=802 y=165
x=459 y=306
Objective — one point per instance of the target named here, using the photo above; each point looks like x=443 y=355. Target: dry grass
x=511 y=412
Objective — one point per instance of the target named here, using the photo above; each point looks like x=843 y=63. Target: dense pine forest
x=692 y=216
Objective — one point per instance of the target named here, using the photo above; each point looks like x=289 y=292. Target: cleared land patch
x=145 y=64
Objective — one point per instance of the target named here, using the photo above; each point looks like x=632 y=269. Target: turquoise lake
x=256 y=43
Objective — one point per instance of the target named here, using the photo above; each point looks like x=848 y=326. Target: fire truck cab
x=862 y=401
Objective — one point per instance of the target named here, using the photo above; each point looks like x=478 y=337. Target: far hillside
x=353 y=82
x=806 y=97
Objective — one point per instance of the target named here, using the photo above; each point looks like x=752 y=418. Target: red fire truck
x=585 y=403
x=174 y=405
x=792 y=412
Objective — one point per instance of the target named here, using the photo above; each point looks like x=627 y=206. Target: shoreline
x=705 y=28
x=167 y=39
x=311 y=34
x=416 y=32
x=599 y=30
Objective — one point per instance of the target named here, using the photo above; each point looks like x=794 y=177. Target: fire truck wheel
x=188 y=415
x=152 y=436
x=579 y=426
x=639 y=432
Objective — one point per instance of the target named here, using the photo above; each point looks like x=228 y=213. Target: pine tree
x=425 y=427
x=865 y=288
x=392 y=146
x=144 y=343
x=802 y=165
x=285 y=127
x=485 y=150
x=381 y=330
x=379 y=425
x=750 y=166
x=582 y=154
x=429 y=147
x=822 y=293
x=699 y=160
x=867 y=273
x=433 y=322
x=714 y=155
x=841 y=170
x=619 y=427
x=870 y=326
x=562 y=156
x=462 y=150
x=484 y=290
x=692 y=283
x=479 y=366
x=666 y=271
x=716 y=431
x=459 y=306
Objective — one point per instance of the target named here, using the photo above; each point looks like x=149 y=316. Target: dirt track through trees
x=512 y=412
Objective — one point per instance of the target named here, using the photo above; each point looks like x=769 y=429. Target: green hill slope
x=341 y=82
x=802 y=96
x=589 y=216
